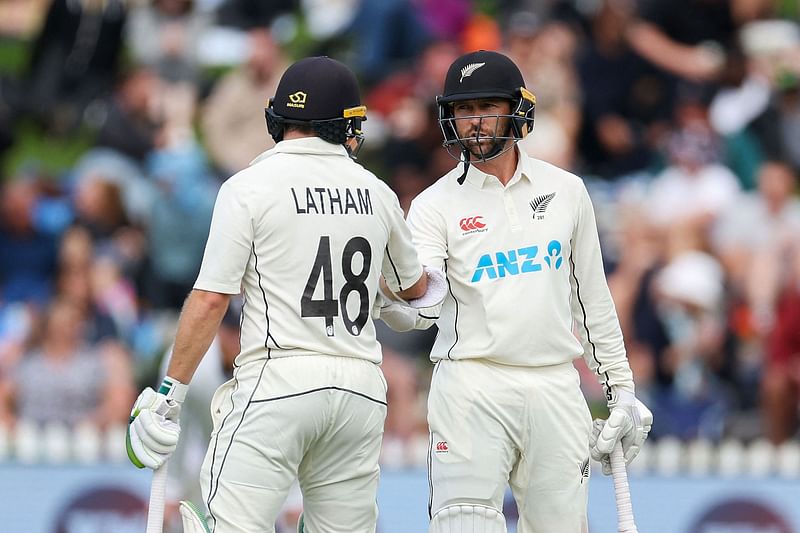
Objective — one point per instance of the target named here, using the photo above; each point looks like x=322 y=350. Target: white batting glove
x=605 y=459
x=437 y=289
x=397 y=316
x=629 y=422
x=153 y=427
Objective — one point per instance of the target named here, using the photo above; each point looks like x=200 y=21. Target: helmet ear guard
x=275 y=123
x=339 y=130
x=445 y=122
x=522 y=121
x=335 y=130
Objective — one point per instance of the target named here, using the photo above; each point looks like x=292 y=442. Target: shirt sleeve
x=430 y=240
x=593 y=309
x=427 y=230
x=401 y=267
x=229 y=244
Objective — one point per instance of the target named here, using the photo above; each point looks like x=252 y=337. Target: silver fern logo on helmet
x=467 y=71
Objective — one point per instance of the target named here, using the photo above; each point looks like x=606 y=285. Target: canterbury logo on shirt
x=515 y=262
x=472 y=223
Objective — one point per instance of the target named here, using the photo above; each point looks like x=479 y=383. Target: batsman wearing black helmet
x=518 y=241
x=305 y=233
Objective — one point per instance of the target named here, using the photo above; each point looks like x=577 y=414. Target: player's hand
x=153 y=428
x=629 y=422
x=603 y=459
x=437 y=289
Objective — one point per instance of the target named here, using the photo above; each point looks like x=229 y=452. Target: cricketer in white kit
x=518 y=241
x=305 y=233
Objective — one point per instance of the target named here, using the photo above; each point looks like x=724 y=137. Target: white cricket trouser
x=318 y=419
x=493 y=425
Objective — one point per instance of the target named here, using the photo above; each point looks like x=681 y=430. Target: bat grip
x=158 y=492
x=622 y=493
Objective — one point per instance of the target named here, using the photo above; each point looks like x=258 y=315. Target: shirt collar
x=304 y=145
x=524 y=170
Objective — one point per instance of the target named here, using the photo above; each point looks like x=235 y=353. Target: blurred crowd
x=682 y=116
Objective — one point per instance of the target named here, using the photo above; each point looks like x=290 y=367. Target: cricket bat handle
x=158 y=494
x=622 y=493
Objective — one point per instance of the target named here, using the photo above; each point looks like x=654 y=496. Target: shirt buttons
x=511 y=210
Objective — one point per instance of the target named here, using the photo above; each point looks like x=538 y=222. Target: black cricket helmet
x=478 y=75
x=322 y=93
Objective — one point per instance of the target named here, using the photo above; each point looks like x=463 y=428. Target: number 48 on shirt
x=328 y=306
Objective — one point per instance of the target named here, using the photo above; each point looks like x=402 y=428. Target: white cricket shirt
x=305 y=233
x=523 y=265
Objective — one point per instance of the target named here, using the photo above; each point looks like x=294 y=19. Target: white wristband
x=173 y=389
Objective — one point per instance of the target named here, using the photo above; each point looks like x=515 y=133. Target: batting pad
x=193 y=520
x=468 y=519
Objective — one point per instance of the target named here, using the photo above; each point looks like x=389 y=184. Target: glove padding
x=629 y=422
x=437 y=289
x=153 y=429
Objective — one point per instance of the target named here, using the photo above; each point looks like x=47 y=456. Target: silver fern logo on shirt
x=539 y=205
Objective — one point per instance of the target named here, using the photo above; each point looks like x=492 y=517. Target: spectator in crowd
x=164 y=35
x=136 y=189
x=74 y=61
x=755 y=109
x=99 y=208
x=179 y=222
x=754 y=241
x=388 y=35
x=779 y=127
x=128 y=124
x=232 y=128
x=689 y=304
x=74 y=284
x=27 y=254
x=695 y=187
x=61 y=370
x=623 y=97
x=92 y=279
x=781 y=383
x=686 y=38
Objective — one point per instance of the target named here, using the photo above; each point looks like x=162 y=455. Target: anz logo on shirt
x=520 y=261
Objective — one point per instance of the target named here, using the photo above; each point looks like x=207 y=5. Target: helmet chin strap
x=496 y=150
x=466 y=167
